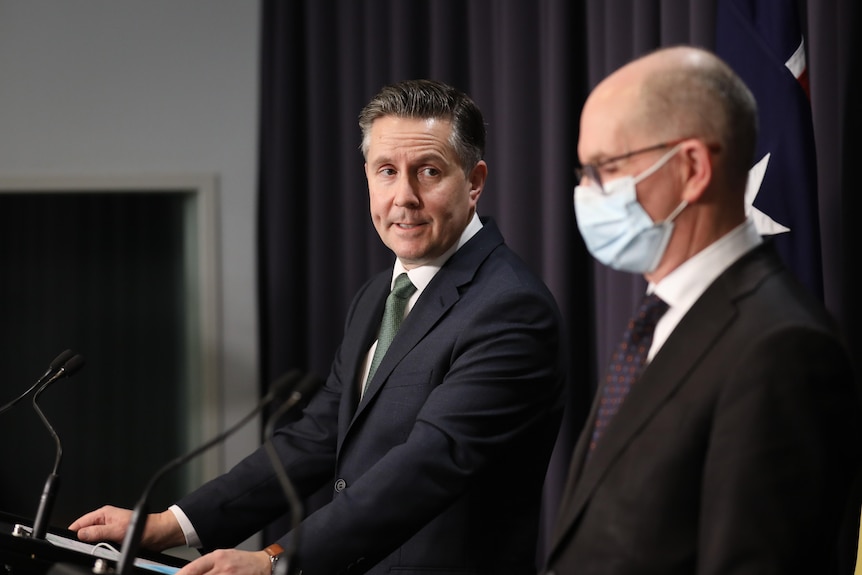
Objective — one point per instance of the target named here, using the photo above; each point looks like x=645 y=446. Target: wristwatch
x=274 y=551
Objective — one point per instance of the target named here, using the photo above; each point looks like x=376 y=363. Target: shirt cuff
x=192 y=539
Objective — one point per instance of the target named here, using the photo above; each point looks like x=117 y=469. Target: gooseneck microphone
x=49 y=491
x=305 y=388
x=135 y=530
x=55 y=365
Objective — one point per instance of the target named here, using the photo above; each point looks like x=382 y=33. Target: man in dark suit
x=436 y=461
x=733 y=450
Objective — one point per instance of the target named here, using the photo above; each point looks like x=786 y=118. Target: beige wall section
x=859 y=551
x=100 y=88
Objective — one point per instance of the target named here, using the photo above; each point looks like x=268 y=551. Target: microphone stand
x=307 y=387
x=52 y=484
x=132 y=540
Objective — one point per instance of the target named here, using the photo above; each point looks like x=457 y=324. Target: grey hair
x=427 y=99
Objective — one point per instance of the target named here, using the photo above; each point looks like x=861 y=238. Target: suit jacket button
x=340 y=485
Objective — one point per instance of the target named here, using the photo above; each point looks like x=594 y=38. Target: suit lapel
x=367 y=314
x=434 y=302
x=657 y=383
x=693 y=337
x=425 y=313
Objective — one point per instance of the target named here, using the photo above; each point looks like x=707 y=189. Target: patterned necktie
x=396 y=303
x=627 y=361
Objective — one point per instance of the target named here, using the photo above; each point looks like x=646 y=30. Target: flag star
x=766 y=226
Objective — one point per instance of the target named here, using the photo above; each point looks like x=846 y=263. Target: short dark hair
x=427 y=99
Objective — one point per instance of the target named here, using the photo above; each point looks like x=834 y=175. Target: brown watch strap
x=274 y=549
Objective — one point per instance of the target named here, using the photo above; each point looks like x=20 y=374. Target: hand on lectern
x=109 y=523
x=229 y=562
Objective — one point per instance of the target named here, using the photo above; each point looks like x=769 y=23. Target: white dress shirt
x=684 y=285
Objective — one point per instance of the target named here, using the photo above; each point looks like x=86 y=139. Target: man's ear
x=698 y=169
x=477 y=179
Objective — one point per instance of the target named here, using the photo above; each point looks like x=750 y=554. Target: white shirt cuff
x=192 y=539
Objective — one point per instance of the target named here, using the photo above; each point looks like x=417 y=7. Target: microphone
x=54 y=366
x=305 y=388
x=132 y=540
x=49 y=491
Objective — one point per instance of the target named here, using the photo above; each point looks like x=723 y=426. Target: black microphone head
x=53 y=372
x=284 y=384
x=73 y=365
x=305 y=388
x=61 y=359
x=309 y=385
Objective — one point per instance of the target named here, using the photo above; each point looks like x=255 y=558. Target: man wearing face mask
x=725 y=437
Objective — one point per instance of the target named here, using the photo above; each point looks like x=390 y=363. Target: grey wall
x=146 y=88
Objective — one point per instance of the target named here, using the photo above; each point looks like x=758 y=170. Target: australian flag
x=762 y=41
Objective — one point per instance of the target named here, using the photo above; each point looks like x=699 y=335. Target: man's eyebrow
x=423 y=158
x=377 y=160
x=430 y=157
x=595 y=159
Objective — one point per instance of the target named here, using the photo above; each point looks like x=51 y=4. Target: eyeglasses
x=591 y=171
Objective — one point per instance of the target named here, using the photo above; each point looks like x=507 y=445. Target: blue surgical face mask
x=616 y=229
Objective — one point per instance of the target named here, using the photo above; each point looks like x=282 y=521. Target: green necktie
x=396 y=303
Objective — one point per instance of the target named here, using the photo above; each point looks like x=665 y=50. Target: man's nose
x=406 y=192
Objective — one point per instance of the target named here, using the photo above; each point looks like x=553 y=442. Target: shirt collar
x=421 y=276
x=686 y=283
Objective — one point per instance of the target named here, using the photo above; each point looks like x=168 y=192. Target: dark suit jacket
x=441 y=465
x=734 y=451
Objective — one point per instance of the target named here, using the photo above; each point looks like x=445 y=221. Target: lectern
x=60 y=553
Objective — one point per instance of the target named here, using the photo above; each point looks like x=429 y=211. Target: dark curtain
x=529 y=65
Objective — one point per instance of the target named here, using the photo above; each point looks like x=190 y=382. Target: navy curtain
x=529 y=64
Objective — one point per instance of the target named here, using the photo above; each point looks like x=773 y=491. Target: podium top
x=27 y=556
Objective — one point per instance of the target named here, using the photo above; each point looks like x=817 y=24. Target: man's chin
x=412 y=258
